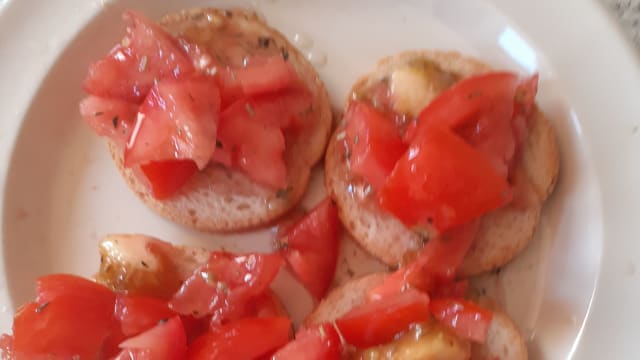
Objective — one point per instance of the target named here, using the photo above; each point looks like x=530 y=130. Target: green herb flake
x=98 y=113
x=356 y=139
x=219 y=144
x=114 y=121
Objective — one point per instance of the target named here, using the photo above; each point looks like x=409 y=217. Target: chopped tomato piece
x=55 y=327
x=465 y=318
x=146 y=54
x=177 y=121
x=164 y=341
x=374 y=141
x=310 y=247
x=489 y=111
x=377 y=322
x=245 y=339
x=139 y=313
x=434 y=266
x=165 y=178
x=111 y=118
x=256 y=148
x=443 y=181
x=50 y=287
x=451 y=289
x=263 y=75
x=230 y=88
x=224 y=285
x=319 y=342
x=281 y=109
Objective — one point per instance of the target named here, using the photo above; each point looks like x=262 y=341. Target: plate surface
x=61 y=193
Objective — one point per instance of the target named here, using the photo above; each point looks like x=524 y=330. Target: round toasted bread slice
x=504 y=340
x=503 y=233
x=219 y=199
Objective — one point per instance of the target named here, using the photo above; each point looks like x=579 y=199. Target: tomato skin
x=177 y=121
x=318 y=342
x=281 y=109
x=164 y=341
x=224 y=285
x=50 y=287
x=256 y=148
x=165 y=178
x=55 y=327
x=443 y=181
x=374 y=142
x=111 y=118
x=264 y=75
x=128 y=72
x=139 y=313
x=377 y=322
x=245 y=339
x=311 y=249
x=465 y=318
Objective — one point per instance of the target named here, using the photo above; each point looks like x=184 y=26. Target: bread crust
x=503 y=233
x=219 y=199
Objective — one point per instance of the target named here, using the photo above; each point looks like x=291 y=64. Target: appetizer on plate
x=433 y=141
x=213 y=118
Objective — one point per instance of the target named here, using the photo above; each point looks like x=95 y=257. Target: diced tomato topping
x=50 y=287
x=165 y=178
x=245 y=339
x=230 y=88
x=164 y=341
x=465 y=318
x=434 y=266
x=256 y=148
x=177 y=121
x=224 y=285
x=281 y=109
x=377 y=322
x=451 y=289
x=264 y=75
x=264 y=305
x=318 y=342
x=139 y=313
x=311 y=247
x=442 y=180
x=148 y=53
x=374 y=142
x=54 y=327
x=111 y=118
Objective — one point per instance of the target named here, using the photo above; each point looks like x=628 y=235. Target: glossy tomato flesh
x=264 y=75
x=245 y=339
x=111 y=118
x=311 y=248
x=318 y=342
x=374 y=143
x=164 y=341
x=377 y=322
x=146 y=55
x=140 y=313
x=224 y=285
x=165 y=178
x=177 y=121
x=443 y=181
x=465 y=318
x=255 y=148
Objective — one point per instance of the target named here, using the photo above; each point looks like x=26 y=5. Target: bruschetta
x=486 y=154
x=213 y=118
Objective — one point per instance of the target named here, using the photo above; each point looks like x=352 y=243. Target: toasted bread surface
x=503 y=233
x=219 y=199
x=504 y=340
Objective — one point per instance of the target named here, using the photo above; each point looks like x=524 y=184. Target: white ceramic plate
x=573 y=292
